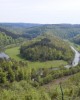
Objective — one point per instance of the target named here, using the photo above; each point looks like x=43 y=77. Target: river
x=3 y=55
x=76 y=59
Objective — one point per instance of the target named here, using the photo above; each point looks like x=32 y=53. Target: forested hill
x=64 y=31
x=30 y=31
x=7 y=40
x=41 y=75
x=26 y=30
x=46 y=48
x=18 y=25
x=17 y=28
x=76 y=39
x=9 y=33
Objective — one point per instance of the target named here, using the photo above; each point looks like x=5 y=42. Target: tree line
x=47 y=48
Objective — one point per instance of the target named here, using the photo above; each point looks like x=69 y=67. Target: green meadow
x=14 y=53
x=48 y=64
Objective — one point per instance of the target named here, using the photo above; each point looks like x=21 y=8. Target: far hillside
x=46 y=47
x=76 y=39
x=64 y=31
x=8 y=40
x=29 y=31
x=17 y=28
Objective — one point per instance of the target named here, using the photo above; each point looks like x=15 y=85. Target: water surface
x=3 y=55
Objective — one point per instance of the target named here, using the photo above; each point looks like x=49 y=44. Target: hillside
x=16 y=82
x=76 y=39
x=9 y=33
x=17 y=28
x=45 y=48
x=8 y=40
x=26 y=30
x=64 y=31
x=5 y=39
x=38 y=72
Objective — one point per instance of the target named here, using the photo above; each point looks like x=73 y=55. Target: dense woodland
x=15 y=30
x=46 y=48
x=76 y=39
x=19 y=81
x=8 y=40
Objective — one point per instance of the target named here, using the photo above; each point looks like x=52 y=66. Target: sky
x=40 y=11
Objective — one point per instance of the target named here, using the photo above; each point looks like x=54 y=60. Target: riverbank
x=3 y=55
x=76 y=59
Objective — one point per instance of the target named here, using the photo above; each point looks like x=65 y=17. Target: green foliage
x=46 y=48
x=64 y=31
x=7 y=40
x=16 y=30
x=12 y=71
x=21 y=80
x=71 y=88
x=76 y=39
x=23 y=91
x=2 y=77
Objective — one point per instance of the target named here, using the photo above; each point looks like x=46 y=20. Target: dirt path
x=56 y=82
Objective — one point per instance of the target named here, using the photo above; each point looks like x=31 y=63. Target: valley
x=41 y=59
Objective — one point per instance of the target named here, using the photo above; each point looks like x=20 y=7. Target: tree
x=2 y=77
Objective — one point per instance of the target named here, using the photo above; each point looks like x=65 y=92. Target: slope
x=27 y=30
x=46 y=47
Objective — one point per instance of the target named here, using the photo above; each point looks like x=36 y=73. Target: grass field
x=48 y=64
x=14 y=53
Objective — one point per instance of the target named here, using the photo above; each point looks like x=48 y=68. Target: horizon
x=39 y=23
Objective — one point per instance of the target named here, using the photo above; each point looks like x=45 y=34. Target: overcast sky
x=40 y=11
